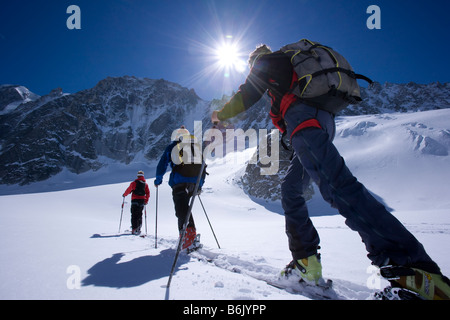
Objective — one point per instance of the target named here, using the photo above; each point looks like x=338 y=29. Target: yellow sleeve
x=232 y=108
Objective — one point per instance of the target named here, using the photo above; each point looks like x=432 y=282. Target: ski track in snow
x=342 y=290
x=255 y=268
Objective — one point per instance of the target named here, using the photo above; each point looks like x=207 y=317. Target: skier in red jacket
x=139 y=198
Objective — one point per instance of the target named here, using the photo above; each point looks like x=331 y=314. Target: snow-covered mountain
x=409 y=97
x=120 y=120
x=11 y=96
x=66 y=244
x=122 y=124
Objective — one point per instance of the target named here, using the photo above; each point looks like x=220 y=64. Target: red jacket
x=132 y=187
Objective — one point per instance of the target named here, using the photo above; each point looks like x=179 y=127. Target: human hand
x=214 y=117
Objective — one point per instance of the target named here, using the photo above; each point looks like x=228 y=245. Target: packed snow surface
x=66 y=244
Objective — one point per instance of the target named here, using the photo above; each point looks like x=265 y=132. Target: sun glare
x=227 y=55
x=219 y=48
x=224 y=57
x=229 y=58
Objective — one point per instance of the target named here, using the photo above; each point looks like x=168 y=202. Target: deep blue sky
x=174 y=39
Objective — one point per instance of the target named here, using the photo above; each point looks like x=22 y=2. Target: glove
x=214 y=117
x=278 y=121
x=158 y=181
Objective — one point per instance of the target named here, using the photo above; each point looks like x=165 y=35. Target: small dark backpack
x=140 y=188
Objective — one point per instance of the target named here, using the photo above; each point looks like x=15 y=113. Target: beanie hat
x=140 y=173
x=260 y=50
x=179 y=133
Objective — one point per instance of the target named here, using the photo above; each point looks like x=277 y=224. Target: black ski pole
x=121 y=212
x=156 y=220
x=188 y=216
x=208 y=221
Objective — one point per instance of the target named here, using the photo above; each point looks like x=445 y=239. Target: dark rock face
x=13 y=95
x=120 y=119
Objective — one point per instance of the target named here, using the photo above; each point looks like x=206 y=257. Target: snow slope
x=65 y=244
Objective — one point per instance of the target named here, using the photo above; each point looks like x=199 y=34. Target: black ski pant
x=385 y=237
x=137 y=207
x=181 y=194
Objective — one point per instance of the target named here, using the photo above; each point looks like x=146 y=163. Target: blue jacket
x=175 y=177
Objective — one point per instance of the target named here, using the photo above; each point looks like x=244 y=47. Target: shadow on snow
x=115 y=274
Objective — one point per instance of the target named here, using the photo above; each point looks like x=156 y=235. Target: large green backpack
x=325 y=78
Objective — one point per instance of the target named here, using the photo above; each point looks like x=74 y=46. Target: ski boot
x=412 y=283
x=307 y=269
x=195 y=245
x=191 y=240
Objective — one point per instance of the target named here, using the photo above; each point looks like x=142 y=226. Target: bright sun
x=229 y=58
x=224 y=59
x=227 y=55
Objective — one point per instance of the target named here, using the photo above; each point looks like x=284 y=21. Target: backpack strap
x=350 y=73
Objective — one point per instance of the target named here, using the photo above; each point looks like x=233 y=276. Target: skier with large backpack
x=308 y=84
x=183 y=156
x=139 y=199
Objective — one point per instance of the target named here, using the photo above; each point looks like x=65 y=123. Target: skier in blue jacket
x=182 y=180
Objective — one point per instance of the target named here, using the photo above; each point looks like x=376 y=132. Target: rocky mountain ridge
x=121 y=119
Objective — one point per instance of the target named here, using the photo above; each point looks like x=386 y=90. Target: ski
x=117 y=235
x=321 y=291
x=190 y=250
